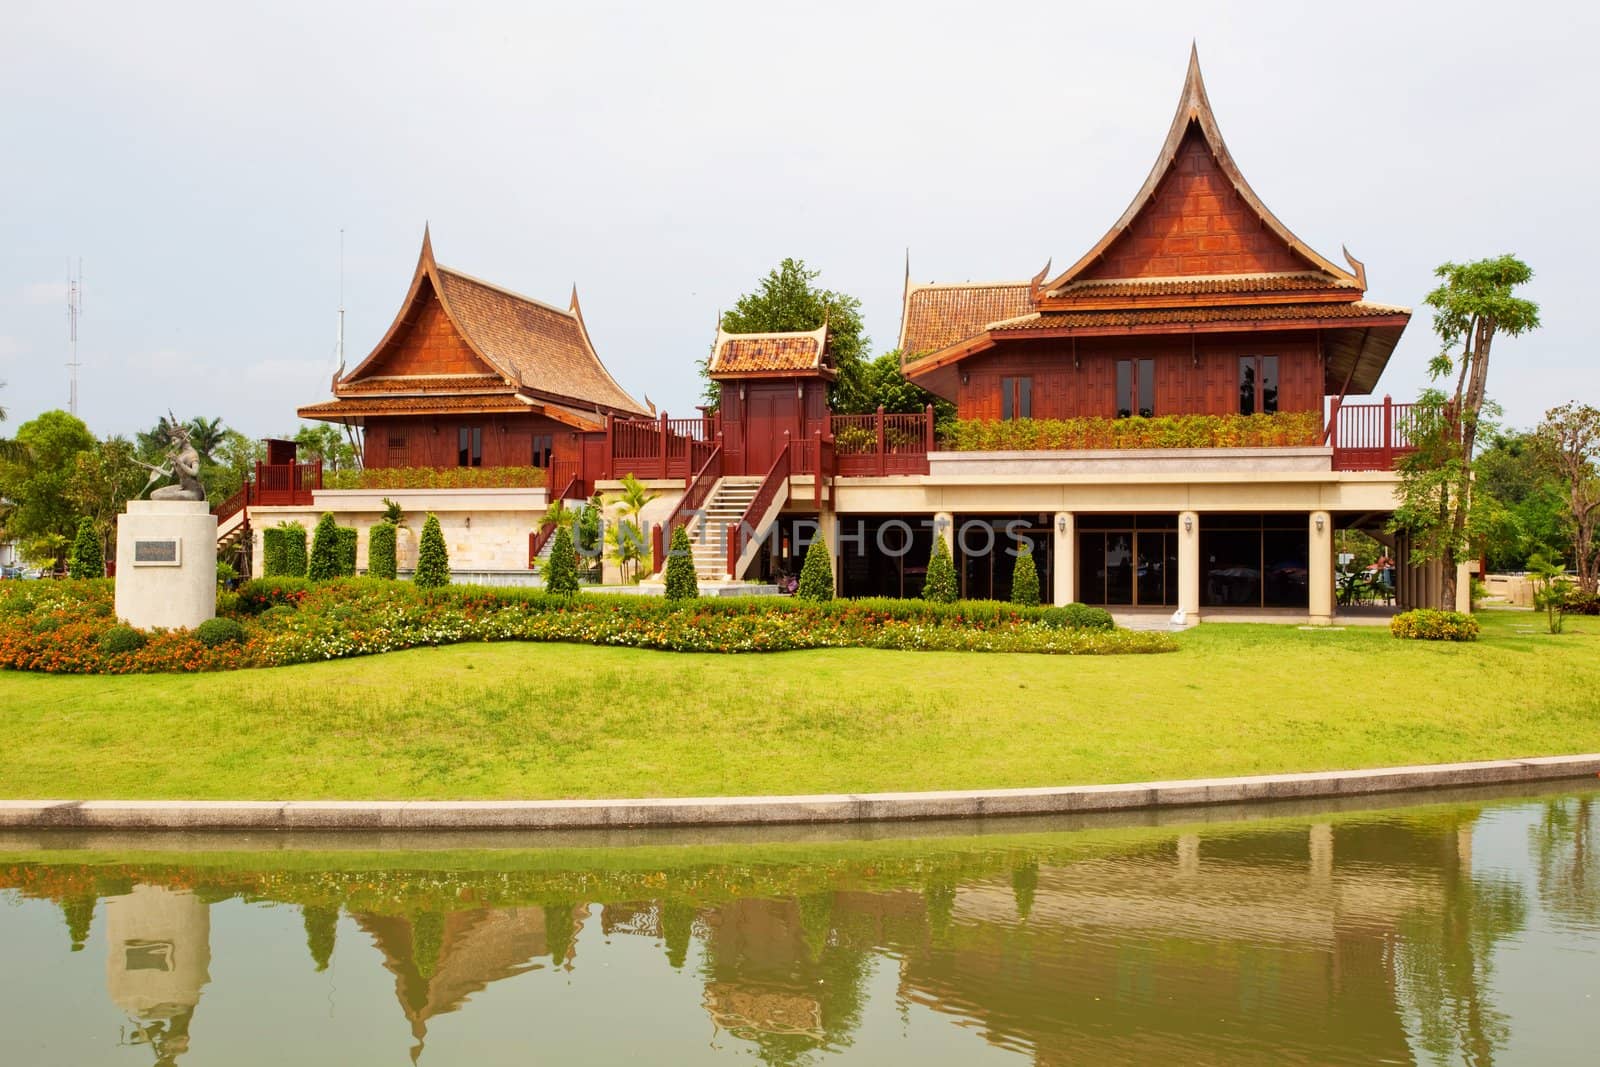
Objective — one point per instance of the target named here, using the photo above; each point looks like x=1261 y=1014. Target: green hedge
x=283 y=551
x=682 y=583
x=1166 y=431
x=816 y=573
x=435 y=478
x=433 y=558
x=86 y=561
x=346 y=538
x=381 y=550
x=324 y=550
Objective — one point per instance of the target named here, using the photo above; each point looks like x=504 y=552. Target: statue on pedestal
x=183 y=463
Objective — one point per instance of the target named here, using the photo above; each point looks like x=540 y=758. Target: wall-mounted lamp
x=965 y=377
x=469 y=522
x=1061 y=525
x=1188 y=524
x=1320 y=521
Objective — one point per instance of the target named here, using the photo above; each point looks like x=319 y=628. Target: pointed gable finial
x=572 y=304
x=1037 y=281
x=427 y=243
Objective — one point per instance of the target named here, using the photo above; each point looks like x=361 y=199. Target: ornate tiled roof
x=545 y=348
x=1204 y=284
x=435 y=383
x=937 y=316
x=347 y=408
x=765 y=354
x=1074 y=320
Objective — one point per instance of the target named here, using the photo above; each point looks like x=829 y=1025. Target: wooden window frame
x=1257 y=365
x=469 y=446
x=1016 y=398
x=1141 y=378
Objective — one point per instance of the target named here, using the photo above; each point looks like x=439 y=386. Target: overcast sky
x=202 y=160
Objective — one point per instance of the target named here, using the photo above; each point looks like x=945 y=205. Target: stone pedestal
x=166 y=564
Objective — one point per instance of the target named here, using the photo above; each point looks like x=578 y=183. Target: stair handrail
x=777 y=476
x=694 y=497
x=233 y=505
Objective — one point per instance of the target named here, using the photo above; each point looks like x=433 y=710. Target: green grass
x=533 y=721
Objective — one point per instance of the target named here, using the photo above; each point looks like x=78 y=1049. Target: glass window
x=1247 y=385
x=1136 y=388
x=1016 y=398
x=543 y=447
x=1269 y=384
x=1147 y=387
x=469 y=447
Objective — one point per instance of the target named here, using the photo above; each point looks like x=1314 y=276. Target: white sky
x=201 y=160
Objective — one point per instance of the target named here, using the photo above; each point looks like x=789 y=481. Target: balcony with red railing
x=1371 y=437
x=274 y=484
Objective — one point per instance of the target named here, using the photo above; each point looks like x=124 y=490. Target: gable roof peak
x=1194 y=112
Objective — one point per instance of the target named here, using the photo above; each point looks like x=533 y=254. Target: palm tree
x=206 y=434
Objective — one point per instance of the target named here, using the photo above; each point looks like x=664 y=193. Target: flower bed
x=436 y=478
x=287 y=621
x=1284 y=429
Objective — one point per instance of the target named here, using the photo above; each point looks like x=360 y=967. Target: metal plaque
x=163 y=553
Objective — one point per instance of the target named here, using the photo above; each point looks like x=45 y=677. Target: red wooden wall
x=756 y=412
x=433 y=440
x=428 y=344
x=1195 y=224
x=1201 y=380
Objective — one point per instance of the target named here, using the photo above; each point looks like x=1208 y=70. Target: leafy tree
x=1474 y=304
x=787 y=300
x=87 y=560
x=36 y=481
x=625 y=546
x=816 y=573
x=940 y=583
x=103 y=480
x=627 y=537
x=324 y=441
x=1024 y=579
x=433 y=559
x=561 y=576
x=1569 y=438
x=230 y=464
x=885 y=385
x=325 y=550
x=381 y=554
x=681 y=581
x=1523 y=500
x=1551 y=588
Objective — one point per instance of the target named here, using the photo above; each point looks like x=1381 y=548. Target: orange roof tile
x=937 y=316
x=740 y=354
x=1074 y=320
x=1204 y=284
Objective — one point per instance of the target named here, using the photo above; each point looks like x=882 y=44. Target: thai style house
x=1173 y=422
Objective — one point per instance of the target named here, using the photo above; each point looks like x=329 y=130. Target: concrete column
x=828 y=519
x=1463 y=589
x=1319 y=568
x=944 y=524
x=1189 y=566
x=1066 y=558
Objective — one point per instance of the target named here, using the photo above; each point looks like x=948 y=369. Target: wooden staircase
x=708 y=533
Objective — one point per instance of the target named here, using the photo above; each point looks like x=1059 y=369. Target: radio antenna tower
x=339 y=344
x=74 y=312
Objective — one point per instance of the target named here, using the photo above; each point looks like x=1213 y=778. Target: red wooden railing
x=1370 y=437
x=274 y=484
x=659 y=447
x=694 y=498
x=880 y=444
x=777 y=478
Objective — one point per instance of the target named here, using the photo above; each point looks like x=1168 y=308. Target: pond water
x=1456 y=930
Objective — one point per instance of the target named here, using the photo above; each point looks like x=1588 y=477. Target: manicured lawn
x=534 y=720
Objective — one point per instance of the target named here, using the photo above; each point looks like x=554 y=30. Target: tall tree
x=324 y=441
x=1570 y=437
x=1474 y=303
x=1526 y=503
x=886 y=386
x=36 y=483
x=786 y=300
x=104 y=478
x=205 y=434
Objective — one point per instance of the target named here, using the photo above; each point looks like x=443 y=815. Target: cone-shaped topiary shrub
x=86 y=561
x=940 y=584
x=433 y=559
x=681 y=581
x=324 y=550
x=346 y=540
x=1025 y=580
x=816 y=574
x=561 y=573
x=381 y=550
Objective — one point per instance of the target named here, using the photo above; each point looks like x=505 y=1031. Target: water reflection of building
x=158 y=959
x=439 y=959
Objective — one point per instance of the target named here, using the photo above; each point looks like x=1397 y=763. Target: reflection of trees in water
x=1563 y=846
x=322 y=926
x=1445 y=962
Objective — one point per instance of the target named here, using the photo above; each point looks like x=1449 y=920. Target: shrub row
x=436 y=478
x=1425 y=624
x=283 y=551
x=284 y=620
x=1164 y=431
